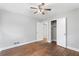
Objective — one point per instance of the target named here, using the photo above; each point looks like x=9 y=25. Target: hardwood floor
x=39 y=49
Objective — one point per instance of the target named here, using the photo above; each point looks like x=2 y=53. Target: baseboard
x=75 y=49
x=49 y=40
x=18 y=45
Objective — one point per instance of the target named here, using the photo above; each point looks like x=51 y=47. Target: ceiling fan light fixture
x=41 y=9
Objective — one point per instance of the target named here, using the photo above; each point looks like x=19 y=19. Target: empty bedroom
x=39 y=29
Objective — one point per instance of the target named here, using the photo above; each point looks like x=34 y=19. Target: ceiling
x=24 y=8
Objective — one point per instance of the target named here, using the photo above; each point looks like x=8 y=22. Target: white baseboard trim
x=18 y=45
x=49 y=41
x=75 y=49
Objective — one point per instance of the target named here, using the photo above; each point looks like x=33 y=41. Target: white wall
x=16 y=27
x=72 y=28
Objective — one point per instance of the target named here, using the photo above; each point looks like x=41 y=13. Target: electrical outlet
x=16 y=42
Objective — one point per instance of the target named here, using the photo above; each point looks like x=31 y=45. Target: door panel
x=39 y=31
x=45 y=31
x=42 y=30
x=61 y=31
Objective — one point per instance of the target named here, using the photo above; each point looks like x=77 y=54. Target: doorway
x=57 y=33
x=53 y=31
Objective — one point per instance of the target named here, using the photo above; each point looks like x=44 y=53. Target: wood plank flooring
x=39 y=49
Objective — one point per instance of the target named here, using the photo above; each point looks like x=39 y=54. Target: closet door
x=61 y=32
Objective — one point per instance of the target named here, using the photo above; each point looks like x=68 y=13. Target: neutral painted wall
x=72 y=28
x=16 y=28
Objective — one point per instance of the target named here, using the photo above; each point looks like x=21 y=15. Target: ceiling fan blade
x=33 y=7
x=35 y=12
x=47 y=9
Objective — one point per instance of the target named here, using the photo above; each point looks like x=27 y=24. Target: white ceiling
x=24 y=8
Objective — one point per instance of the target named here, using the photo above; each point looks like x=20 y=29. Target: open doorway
x=53 y=31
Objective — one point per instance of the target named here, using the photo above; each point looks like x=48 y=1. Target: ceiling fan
x=41 y=8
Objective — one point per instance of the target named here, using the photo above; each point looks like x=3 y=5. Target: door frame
x=49 y=30
x=49 y=26
x=56 y=29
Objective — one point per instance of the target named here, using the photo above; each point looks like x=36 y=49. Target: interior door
x=39 y=31
x=61 y=32
x=45 y=30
